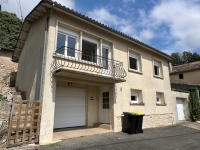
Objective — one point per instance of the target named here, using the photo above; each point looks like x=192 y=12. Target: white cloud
x=146 y=35
x=104 y=16
x=28 y=5
x=183 y=20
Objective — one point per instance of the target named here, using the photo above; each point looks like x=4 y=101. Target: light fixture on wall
x=69 y=84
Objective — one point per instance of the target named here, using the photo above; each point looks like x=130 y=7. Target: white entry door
x=105 y=106
x=180 y=109
x=69 y=107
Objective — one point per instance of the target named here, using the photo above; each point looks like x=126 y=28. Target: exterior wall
x=184 y=97
x=145 y=81
x=30 y=61
x=92 y=105
x=191 y=77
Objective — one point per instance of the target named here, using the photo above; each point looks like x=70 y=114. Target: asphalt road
x=167 y=138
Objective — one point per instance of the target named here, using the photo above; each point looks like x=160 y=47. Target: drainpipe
x=44 y=51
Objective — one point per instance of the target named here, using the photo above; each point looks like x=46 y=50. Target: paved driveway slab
x=167 y=138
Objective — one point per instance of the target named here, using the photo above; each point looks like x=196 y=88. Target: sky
x=168 y=25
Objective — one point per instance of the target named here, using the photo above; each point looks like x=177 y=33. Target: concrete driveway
x=167 y=138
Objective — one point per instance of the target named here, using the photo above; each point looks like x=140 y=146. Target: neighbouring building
x=88 y=73
x=188 y=73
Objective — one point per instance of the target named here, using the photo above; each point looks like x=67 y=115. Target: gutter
x=44 y=52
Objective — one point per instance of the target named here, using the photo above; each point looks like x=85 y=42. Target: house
x=188 y=73
x=87 y=73
x=186 y=77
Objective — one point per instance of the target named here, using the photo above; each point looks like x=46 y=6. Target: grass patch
x=5 y=78
x=54 y=144
x=2 y=98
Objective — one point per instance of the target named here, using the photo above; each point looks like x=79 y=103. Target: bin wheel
x=141 y=131
x=135 y=132
x=124 y=130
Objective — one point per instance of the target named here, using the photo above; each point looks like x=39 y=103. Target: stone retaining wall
x=157 y=120
x=149 y=121
x=6 y=67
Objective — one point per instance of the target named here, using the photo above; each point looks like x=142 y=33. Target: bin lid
x=133 y=113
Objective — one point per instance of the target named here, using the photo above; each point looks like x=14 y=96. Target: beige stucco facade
x=29 y=76
x=191 y=77
x=30 y=62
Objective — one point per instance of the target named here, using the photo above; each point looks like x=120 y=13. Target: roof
x=173 y=81
x=186 y=67
x=44 y=6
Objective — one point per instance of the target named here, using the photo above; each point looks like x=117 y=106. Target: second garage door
x=180 y=109
x=69 y=107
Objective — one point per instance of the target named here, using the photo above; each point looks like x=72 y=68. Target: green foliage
x=194 y=107
x=2 y=98
x=10 y=26
x=5 y=78
x=185 y=57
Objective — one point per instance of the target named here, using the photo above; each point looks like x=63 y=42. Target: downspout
x=44 y=51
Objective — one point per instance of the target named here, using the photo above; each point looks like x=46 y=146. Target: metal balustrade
x=66 y=57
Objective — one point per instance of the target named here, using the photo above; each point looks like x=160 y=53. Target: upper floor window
x=157 y=68
x=66 y=42
x=134 y=61
x=89 y=51
x=180 y=76
x=105 y=51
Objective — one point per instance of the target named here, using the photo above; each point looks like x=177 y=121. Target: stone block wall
x=157 y=120
x=149 y=121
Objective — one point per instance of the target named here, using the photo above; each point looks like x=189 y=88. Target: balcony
x=73 y=63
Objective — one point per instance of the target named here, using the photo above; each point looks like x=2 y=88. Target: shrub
x=2 y=98
x=5 y=78
x=194 y=107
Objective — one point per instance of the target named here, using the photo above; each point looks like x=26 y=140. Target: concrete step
x=17 y=93
x=17 y=97
x=103 y=126
x=13 y=89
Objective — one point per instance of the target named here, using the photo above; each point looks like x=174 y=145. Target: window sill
x=138 y=104
x=135 y=71
x=158 y=77
x=161 y=104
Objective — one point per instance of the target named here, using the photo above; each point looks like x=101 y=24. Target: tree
x=185 y=57
x=10 y=26
x=177 y=59
x=194 y=107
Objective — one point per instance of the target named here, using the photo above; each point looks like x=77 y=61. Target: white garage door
x=69 y=107
x=180 y=109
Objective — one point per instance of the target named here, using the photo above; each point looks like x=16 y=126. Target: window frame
x=67 y=33
x=158 y=95
x=158 y=63
x=182 y=76
x=90 y=40
x=136 y=94
x=107 y=62
x=161 y=97
x=138 y=60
